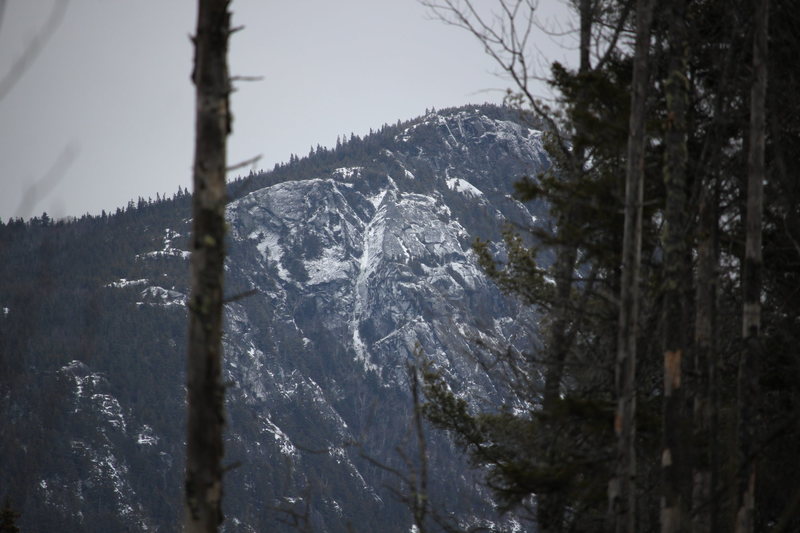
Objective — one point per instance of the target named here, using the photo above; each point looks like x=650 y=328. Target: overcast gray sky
x=109 y=105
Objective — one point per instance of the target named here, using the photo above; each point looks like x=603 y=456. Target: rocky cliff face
x=355 y=269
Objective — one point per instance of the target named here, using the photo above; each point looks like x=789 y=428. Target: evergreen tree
x=695 y=186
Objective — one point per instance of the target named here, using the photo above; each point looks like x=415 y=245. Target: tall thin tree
x=206 y=416
x=622 y=488
x=748 y=396
x=704 y=366
x=675 y=270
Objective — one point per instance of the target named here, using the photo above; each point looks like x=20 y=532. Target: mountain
x=350 y=263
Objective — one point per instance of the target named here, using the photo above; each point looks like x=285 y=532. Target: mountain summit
x=353 y=260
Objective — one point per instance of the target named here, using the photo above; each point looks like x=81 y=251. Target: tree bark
x=748 y=394
x=675 y=270
x=206 y=417
x=622 y=488
x=705 y=366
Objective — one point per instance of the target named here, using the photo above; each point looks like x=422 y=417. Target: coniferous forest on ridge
x=579 y=315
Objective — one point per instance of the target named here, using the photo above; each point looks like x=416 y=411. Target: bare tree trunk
x=622 y=488
x=675 y=270
x=704 y=366
x=748 y=396
x=418 y=481
x=206 y=417
x=585 y=12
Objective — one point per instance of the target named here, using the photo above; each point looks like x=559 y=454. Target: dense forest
x=670 y=399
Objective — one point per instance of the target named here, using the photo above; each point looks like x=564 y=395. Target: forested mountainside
x=353 y=259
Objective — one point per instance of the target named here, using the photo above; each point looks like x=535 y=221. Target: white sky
x=108 y=102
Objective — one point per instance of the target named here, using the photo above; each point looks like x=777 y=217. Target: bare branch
x=247 y=78
x=239 y=296
x=23 y=63
x=2 y=11
x=504 y=42
x=246 y=163
x=612 y=44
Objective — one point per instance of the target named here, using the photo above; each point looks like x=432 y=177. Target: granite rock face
x=354 y=270
x=360 y=268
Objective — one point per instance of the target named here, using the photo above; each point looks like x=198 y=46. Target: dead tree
x=622 y=488
x=206 y=417
x=675 y=269
x=748 y=396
